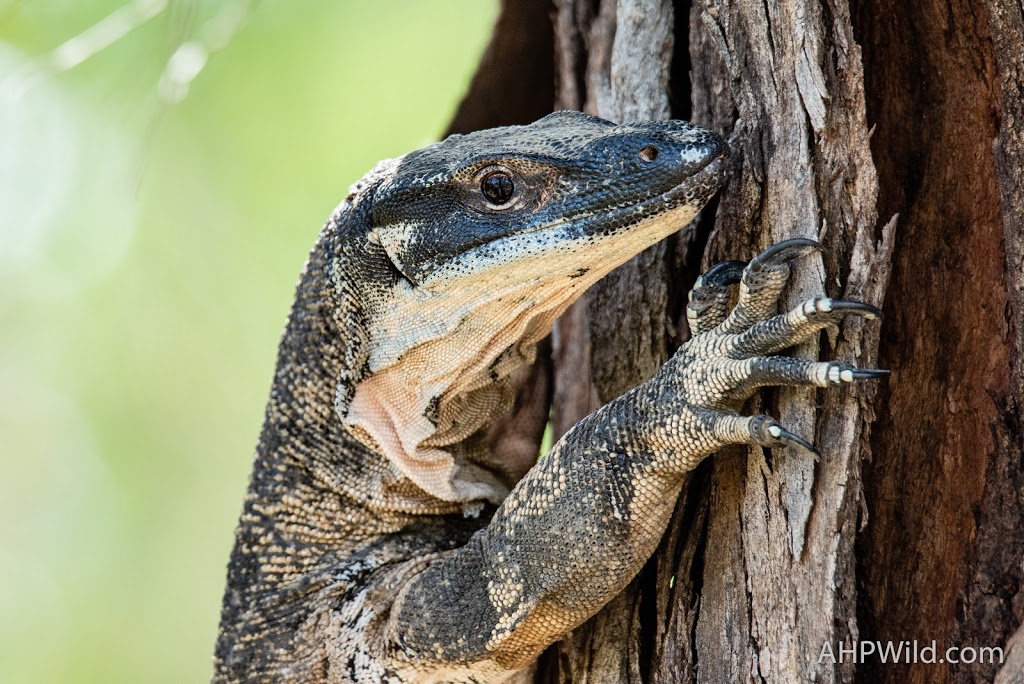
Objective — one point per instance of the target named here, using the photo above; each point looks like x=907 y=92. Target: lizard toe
x=773 y=435
x=797 y=325
x=729 y=427
x=708 y=301
x=781 y=253
x=762 y=282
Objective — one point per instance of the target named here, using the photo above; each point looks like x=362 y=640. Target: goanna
x=379 y=540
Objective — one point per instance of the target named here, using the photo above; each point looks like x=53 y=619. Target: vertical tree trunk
x=893 y=132
x=941 y=556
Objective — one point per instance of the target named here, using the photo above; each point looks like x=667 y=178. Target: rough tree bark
x=891 y=131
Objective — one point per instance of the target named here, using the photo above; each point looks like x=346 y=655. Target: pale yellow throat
x=442 y=355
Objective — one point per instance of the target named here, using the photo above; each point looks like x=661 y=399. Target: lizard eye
x=497 y=187
x=649 y=153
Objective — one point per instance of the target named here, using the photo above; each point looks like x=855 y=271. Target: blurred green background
x=150 y=237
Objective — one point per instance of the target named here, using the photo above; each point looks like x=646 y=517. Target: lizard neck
x=322 y=361
x=404 y=431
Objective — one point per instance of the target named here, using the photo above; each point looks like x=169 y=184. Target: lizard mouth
x=693 y=191
x=715 y=167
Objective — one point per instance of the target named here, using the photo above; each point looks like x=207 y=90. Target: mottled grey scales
x=379 y=540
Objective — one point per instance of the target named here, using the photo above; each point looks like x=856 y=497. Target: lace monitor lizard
x=379 y=541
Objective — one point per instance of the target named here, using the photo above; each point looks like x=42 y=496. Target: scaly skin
x=369 y=548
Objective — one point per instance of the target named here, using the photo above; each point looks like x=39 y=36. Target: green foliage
x=148 y=253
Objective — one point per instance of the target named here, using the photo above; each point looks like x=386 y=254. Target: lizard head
x=566 y=182
x=488 y=238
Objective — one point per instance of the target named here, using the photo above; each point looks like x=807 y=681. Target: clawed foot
x=731 y=353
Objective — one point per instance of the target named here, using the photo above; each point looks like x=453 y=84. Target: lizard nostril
x=649 y=153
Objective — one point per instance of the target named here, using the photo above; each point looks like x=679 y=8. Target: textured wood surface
x=941 y=556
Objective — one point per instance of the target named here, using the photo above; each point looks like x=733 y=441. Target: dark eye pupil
x=497 y=187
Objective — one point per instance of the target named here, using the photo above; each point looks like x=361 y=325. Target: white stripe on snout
x=692 y=155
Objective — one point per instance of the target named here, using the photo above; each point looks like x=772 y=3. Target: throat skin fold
x=430 y=394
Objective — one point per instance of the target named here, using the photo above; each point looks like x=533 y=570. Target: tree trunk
x=893 y=132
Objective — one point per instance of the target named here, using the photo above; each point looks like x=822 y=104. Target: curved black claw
x=862 y=308
x=869 y=373
x=784 y=252
x=723 y=274
x=789 y=439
